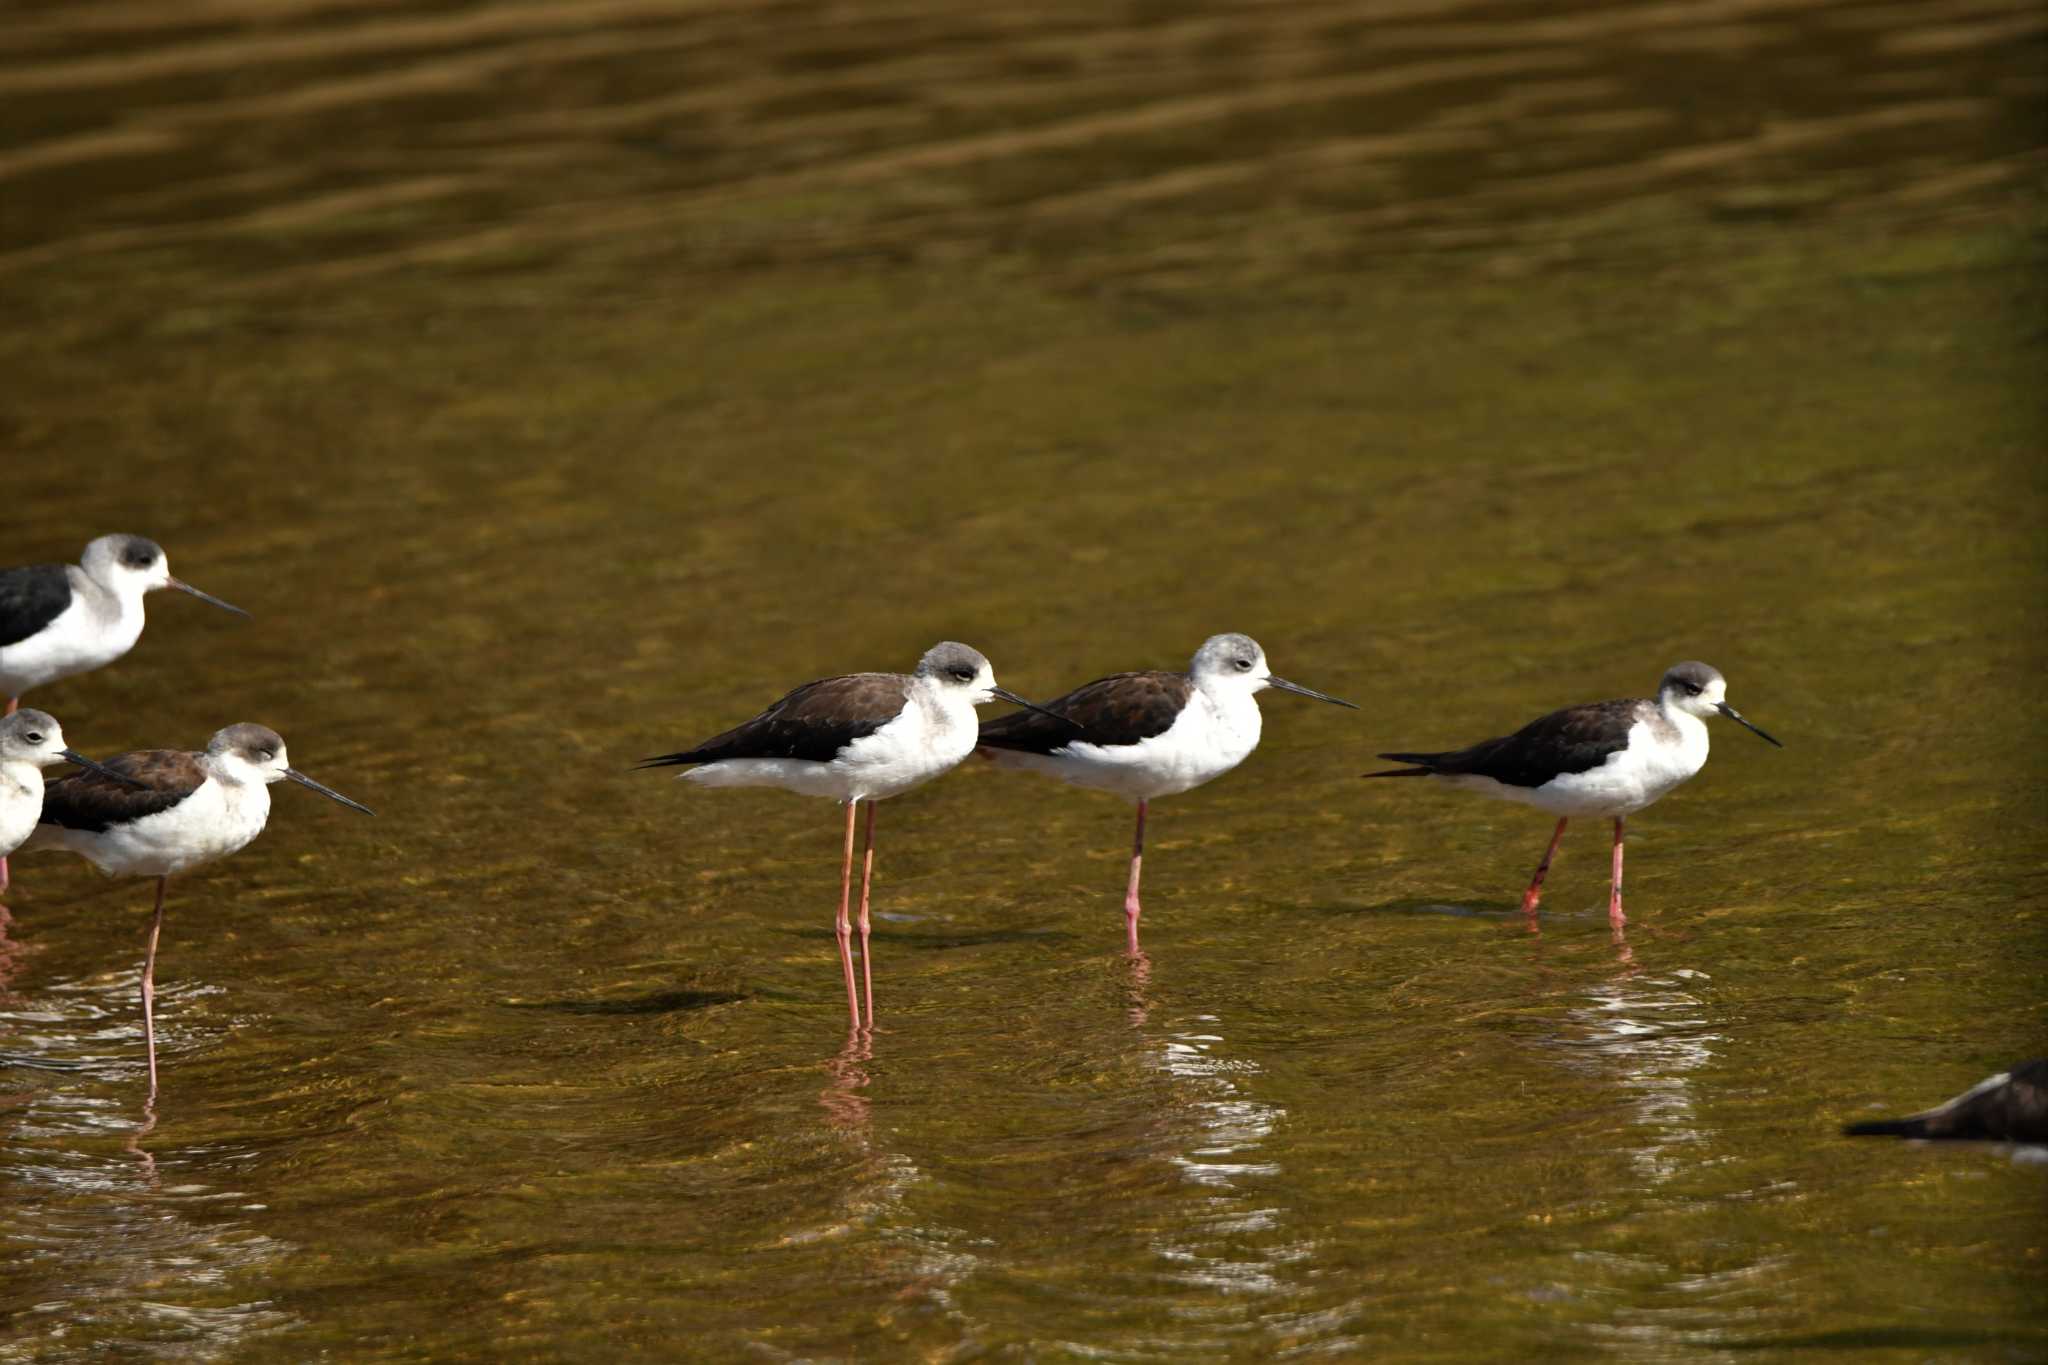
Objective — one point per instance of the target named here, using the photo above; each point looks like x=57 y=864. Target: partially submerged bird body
x=2009 y=1107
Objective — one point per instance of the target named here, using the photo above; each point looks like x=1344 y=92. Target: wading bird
x=1145 y=735
x=159 y=812
x=1606 y=758
x=862 y=737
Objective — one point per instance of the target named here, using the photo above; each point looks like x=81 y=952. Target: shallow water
x=560 y=383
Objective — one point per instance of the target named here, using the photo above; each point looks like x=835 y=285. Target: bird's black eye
x=34 y=737
x=265 y=755
x=962 y=672
x=1243 y=665
x=1694 y=688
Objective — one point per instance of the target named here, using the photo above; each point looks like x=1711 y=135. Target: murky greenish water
x=560 y=382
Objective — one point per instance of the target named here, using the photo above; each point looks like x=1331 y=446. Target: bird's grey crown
x=14 y=729
x=1690 y=677
x=1227 y=653
x=951 y=662
x=254 y=743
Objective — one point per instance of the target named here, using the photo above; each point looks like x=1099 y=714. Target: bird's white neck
x=1236 y=710
x=1692 y=731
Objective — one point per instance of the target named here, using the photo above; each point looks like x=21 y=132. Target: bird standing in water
x=860 y=737
x=1147 y=735
x=1606 y=758
x=159 y=812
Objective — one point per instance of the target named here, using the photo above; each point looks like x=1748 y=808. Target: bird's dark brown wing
x=90 y=801
x=1120 y=709
x=30 y=598
x=814 y=722
x=1573 y=740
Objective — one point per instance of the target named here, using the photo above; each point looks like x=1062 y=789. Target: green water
x=559 y=384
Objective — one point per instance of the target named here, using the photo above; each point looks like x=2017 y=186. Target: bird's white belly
x=1200 y=745
x=77 y=641
x=915 y=747
x=210 y=823
x=21 y=801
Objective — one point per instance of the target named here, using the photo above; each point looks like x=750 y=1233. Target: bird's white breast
x=93 y=630
x=1206 y=740
x=21 y=801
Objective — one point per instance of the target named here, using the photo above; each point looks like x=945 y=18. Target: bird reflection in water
x=1229 y=1240
x=1654 y=1034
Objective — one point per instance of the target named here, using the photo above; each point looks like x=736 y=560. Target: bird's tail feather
x=1426 y=766
x=1910 y=1128
x=669 y=760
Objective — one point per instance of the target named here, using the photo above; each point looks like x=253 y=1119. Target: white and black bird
x=862 y=737
x=59 y=620
x=1607 y=758
x=2009 y=1107
x=1145 y=735
x=160 y=812
x=30 y=741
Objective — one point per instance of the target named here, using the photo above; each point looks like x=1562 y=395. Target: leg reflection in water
x=847 y=1076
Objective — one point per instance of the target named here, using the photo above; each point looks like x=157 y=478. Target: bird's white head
x=958 y=671
x=1698 y=689
x=127 y=566
x=253 y=755
x=1230 y=662
x=1234 y=664
x=960 y=674
x=32 y=737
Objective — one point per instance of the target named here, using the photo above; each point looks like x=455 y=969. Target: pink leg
x=867 y=875
x=844 y=929
x=156 y=925
x=1535 y=891
x=1614 y=915
x=1131 y=908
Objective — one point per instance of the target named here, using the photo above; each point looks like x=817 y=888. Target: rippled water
x=559 y=383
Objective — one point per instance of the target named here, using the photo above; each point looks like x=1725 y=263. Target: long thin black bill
x=1298 y=690
x=73 y=756
x=330 y=793
x=182 y=586
x=1725 y=709
x=1011 y=697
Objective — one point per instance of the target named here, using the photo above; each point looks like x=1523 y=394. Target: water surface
x=560 y=383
